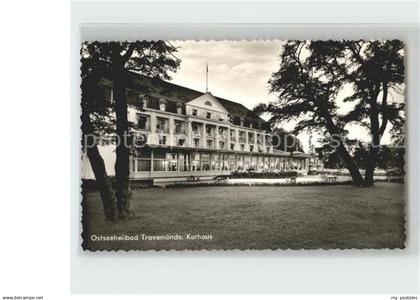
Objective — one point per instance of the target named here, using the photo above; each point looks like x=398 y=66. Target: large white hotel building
x=191 y=133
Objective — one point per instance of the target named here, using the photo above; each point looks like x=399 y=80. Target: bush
x=251 y=174
x=394 y=172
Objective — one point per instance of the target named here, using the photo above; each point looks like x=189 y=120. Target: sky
x=239 y=71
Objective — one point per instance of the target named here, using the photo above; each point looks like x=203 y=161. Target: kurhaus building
x=183 y=132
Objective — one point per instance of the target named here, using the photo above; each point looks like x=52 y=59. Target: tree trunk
x=376 y=135
x=342 y=151
x=122 y=163
x=98 y=166
x=370 y=168
x=350 y=165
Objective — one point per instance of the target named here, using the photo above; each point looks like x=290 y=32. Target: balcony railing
x=180 y=131
x=145 y=128
x=242 y=139
x=162 y=130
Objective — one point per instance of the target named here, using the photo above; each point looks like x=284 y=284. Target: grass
x=252 y=217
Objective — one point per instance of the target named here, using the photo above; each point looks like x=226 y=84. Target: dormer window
x=144 y=102
x=179 y=109
x=241 y=123
x=162 y=105
x=208 y=115
x=194 y=112
x=208 y=103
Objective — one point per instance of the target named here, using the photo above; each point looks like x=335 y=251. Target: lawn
x=256 y=217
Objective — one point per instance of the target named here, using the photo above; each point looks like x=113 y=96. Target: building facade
x=180 y=132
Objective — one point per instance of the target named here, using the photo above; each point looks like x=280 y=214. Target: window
x=162 y=124
x=259 y=139
x=224 y=162
x=182 y=162
x=162 y=106
x=143 y=122
x=208 y=103
x=180 y=142
x=158 y=165
x=143 y=161
x=232 y=135
x=247 y=162
x=209 y=144
x=179 y=109
x=194 y=127
x=232 y=147
x=196 y=143
x=158 y=160
x=179 y=127
x=242 y=136
x=208 y=115
x=143 y=165
x=232 y=162
x=251 y=148
x=240 y=162
x=222 y=145
x=208 y=130
x=260 y=163
x=205 y=162
x=144 y=102
x=215 y=162
x=162 y=140
x=251 y=138
x=172 y=162
x=195 y=162
x=194 y=112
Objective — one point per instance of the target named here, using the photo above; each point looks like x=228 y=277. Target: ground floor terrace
x=181 y=162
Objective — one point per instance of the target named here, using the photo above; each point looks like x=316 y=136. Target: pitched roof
x=178 y=93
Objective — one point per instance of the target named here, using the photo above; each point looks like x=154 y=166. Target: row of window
x=162 y=105
x=193 y=111
x=162 y=125
x=213 y=162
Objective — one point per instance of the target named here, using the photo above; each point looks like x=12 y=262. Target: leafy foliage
x=155 y=59
x=313 y=73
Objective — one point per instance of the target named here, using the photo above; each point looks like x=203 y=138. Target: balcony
x=180 y=131
x=196 y=132
x=162 y=130
x=242 y=139
x=143 y=128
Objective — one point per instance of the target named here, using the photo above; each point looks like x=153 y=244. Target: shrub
x=251 y=174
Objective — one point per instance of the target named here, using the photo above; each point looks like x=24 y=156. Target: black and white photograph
x=242 y=144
